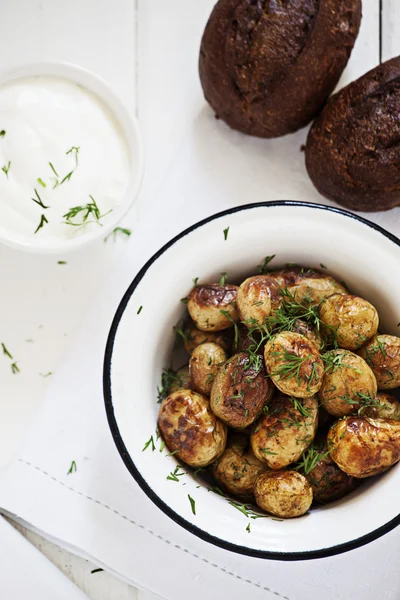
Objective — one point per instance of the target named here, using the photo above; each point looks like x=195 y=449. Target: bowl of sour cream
x=71 y=158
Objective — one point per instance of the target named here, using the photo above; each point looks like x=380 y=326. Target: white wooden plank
x=41 y=300
x=390 y=28
x=365 y=53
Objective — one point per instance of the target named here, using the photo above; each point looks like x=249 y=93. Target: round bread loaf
x=268 y=67
x=353 y=148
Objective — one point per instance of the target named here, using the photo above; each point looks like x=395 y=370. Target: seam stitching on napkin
x=157 y=535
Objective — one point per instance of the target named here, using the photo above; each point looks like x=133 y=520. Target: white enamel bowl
x=139 y=346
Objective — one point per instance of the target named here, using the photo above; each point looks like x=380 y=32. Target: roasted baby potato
x=257 y=297
x=240 y=391
x=385 y=407
x=351 y=319
x=285 y=431
x=213 y=306
x=284 y=494
x=181 y=380
x=190 y=429
x=237 y=469
x=204 y=364
x=193 y=337
x=382 y=353
x=328 y=482
x=348 y=383
x=362 y=447
x=307 y=285
x=294 y=364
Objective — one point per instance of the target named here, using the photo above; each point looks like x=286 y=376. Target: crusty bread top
x=353 y=148
x=267 y=68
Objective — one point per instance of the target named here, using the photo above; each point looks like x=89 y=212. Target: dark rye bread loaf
x=267 y=67
x=353 y=148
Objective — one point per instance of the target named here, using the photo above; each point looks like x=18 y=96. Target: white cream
x=43 y=117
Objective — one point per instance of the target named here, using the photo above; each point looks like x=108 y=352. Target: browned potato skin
x=182 y=380
x=257 y=298
x=389 y=408
x=354 y=319
x=237 y=469
x=205 y=303
x=286 y=494
x=235 y=379
x=362 y=447
x=386 y=364
x=281 y=436
x=328 y=482
x=194 y=337
x=307 y=284
x=342 y=384
x=204 y=364
x=305 y=329
x=189 y=427
x=311 y=370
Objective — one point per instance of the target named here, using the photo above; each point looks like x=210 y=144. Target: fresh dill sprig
x=6 y=351
x=361 y=399
x=334 y=361
x=72 y=468
x=235 y=325
x=174 y=476
x=298 y=405
x=291 y=365
x=38 y=199
x=310 y=458
x=84 y=212
x=6 y=168
x=122 y=231
x=14 y=368
x=139 y=310
x=169 y=379
x=43 y=220
x=224 y=279
x=147 y=444
x=264 y=267
x=192 y=504
x=41 y=182
x=226 y=231
x=2 y=133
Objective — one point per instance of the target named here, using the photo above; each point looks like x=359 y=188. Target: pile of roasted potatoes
x=286 y=396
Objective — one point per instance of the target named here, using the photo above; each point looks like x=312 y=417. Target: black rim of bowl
x=204 y=535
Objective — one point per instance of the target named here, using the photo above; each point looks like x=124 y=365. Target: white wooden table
x=108 y=38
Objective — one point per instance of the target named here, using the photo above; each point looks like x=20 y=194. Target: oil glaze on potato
x=305 y=329
x=205 y=362
x=193 y=337
x=386 y=407
x=205 y=303
x=237 y=469
x=181 y=380
x=362 y=447
x=307 y=285
x=353 y=319
x=382 y=353
x=285 y=431
x=257 y=297
x=348 y=383
x=190 y=429
x=294 y=364
x=284 y=494
x=240 y=391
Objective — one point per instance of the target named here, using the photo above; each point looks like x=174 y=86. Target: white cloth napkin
x=196 y=166
x=25 y=574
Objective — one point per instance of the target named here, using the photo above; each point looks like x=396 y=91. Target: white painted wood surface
x=101 y=36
